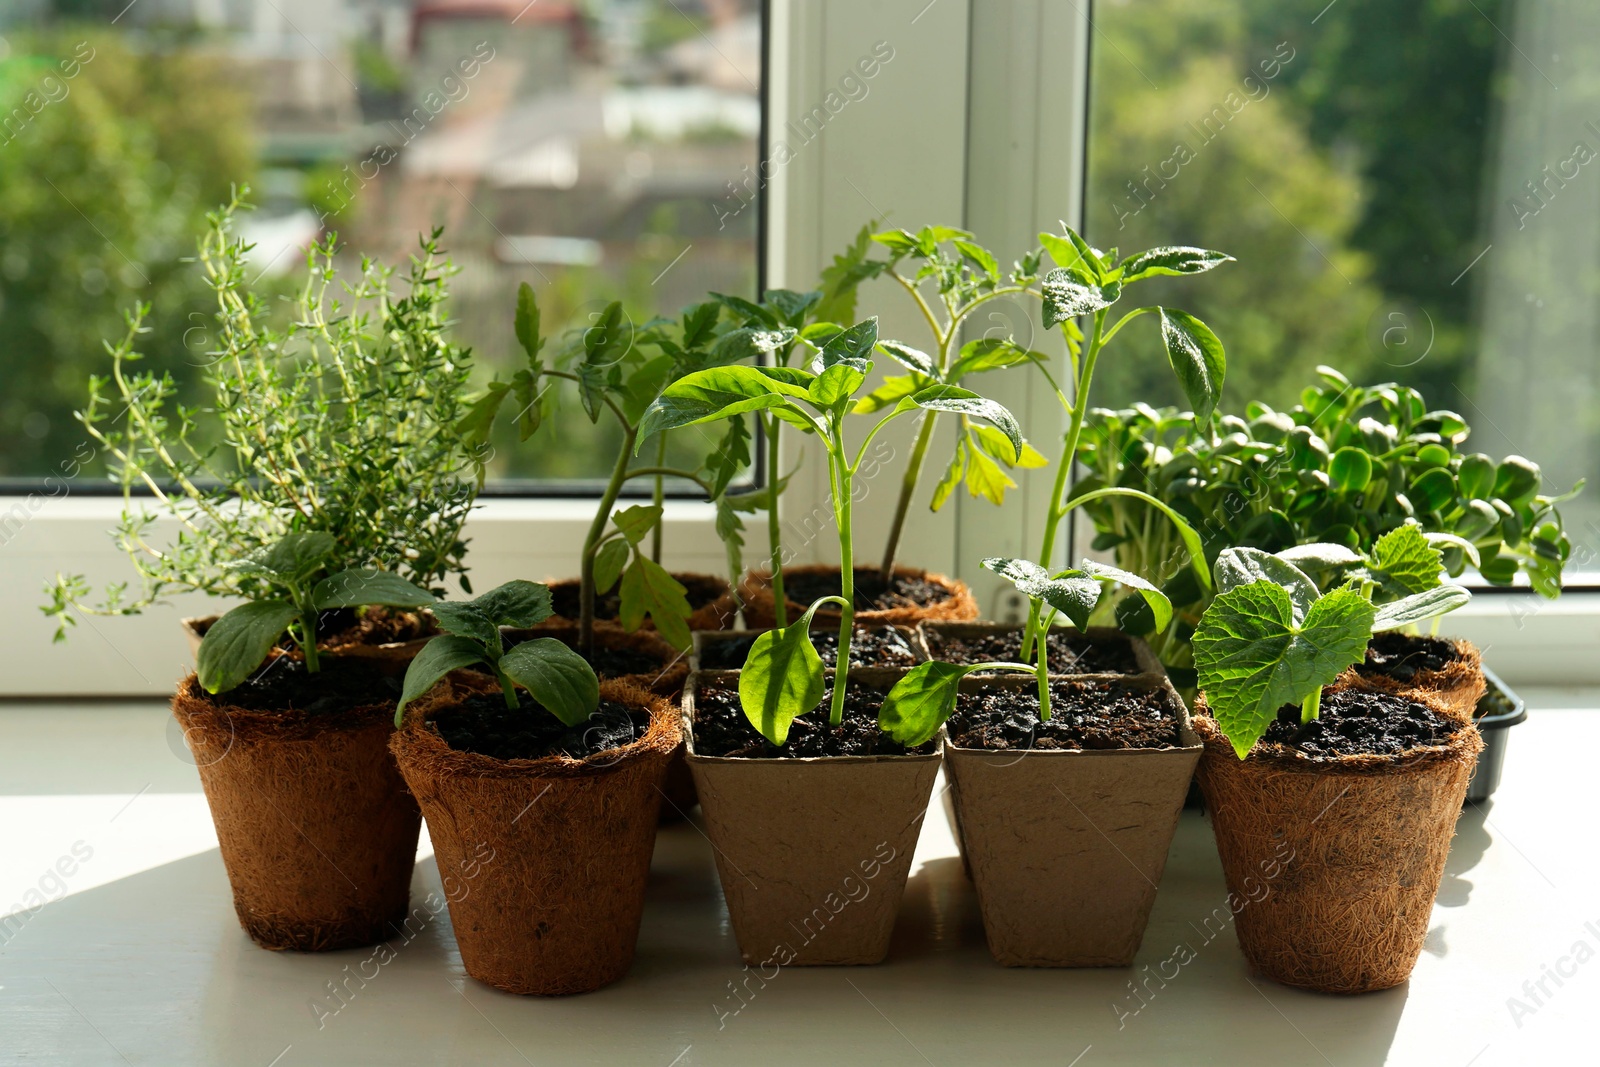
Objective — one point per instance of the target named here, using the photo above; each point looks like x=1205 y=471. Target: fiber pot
x=544 y=861
x=1335 y=862
x=1498 y=711
x=933 y=633
x=1066 y=847
x=316 y=829
x=1459 y=685
x=392 y=657
x=756 y=593
x=813 y=854
x=714 y=649
x=717 y=611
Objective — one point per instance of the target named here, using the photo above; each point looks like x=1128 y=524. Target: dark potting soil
x=346 y=627
x=284 y=684
x=482 y=723
x=1400 y=656
x=721 y=729
x=1083 y=715
x=700 y=589
x=870 y=646
x=871 y=593
x=1355 y=722
x=1071 y=651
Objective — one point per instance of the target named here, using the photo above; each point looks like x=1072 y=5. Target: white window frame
x=909 y=148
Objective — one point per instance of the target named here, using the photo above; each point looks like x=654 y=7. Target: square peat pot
x=1066 y=846
x=716 y=650
x=1105 y=650
x=813 y=853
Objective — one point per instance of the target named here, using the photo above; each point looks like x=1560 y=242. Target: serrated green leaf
x=700 y=323
x=985 y=478
x=998 y=445
x=986 y=354
x=636 y=521
x=979 y=255
x=1252 y=658
x=475 y=425
x=237 y=643
x=782 y=679
x=557 y=677
x=1069 y=256
x=1158 y=602
x=1242 y=566
x=920 y=702
x=438 y=658
x=1403 y=561
x=467 y=620
x=529 y=412
x=517 y=603
x=793 y=306
x=731 y=456
x=953 y=473
x=753 y=344
x=608 y=563
x=647 y=589
x=1196 y=357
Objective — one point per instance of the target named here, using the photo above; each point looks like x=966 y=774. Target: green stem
x=1041 y=674
x=1312 y=705
x=908 y=489
x=508 y=688
x=780 y=604
x=308 y=644
x=847 y=578
x=591 y=543
x=659 y=496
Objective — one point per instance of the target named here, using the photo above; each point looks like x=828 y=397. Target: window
x=1409 y=194
x=583 y=147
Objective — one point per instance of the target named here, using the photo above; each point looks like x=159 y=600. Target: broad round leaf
x=920 y=702
x=1241 y=566
x=237 y=643
x=360 y=586
x=438 y=658
x=556 y=676
x=782 y=679
x=292 y=557
x=1349 y=470
x=466 y=620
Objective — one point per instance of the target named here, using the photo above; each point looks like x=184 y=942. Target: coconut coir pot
x=549 y=856
x=390 y=656
x=1066 y=846
x=315 y=827
x=1458 y=683
x=813 y=853
x=710 y=597
x=951 y=598
x=1357 y=845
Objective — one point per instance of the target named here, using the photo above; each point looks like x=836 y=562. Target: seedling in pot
x=783 y=676
x=294 y=587
x=921 y=701
x=1271 y=638
x=558 y=678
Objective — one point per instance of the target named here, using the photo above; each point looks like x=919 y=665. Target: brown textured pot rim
x=412 y=741
x=1148 y=662
x=700 y=638
x=1465 y=741
x=1466 y=669
x=1187 y=734
x=878 y=675
x=191 y=625
x=288 y=720
x=761 y=577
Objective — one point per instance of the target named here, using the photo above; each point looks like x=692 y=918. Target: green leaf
x=1074 y=594
x=837 y=383
x=517 y=603
x=1068 y=294
x=1477 y=476
x=852 y=347
x=921 y=701
x=985 y=478
x=1186 y=533
x=1179 y=259
x=1252 y=658
x=700 y=322
x=469 y=621
x=1071 y=254
x=636 y=521
x=731 y=456
x=1350 y=470
x=475 y=425
x=557 y=677
x=998 y=445
x=1516 y=480
x=966 y=402
x=895 y=388
x=1322 y=555
x=1242 y=566
x=1403 y=560
x=782 y=679
x=359 y=586
x=608 y=564
x=791 y=305
x=1432 y=490
x=980 y=256
x=438 y=658
x=1196 y=357
x=953 y=473
x=236 y=644
x=647 y=589
x=913 y=359
x=1420 y=607
x=756 y=345
x=986 y=354
x=527 y=322
x=529 y=413
x=1160 y=605
x=291 y=559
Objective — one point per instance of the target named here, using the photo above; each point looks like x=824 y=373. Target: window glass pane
x=1410 y=190
x=583 y=147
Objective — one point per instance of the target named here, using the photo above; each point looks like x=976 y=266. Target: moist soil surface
x=482 y=723
x=607 y=662
x=874 y=646
x=1071 y=652
x=1360 y=723
x=721 y=729
x=701 y=589
x=1402 y=656
x=1083 y=715
x=284 y=684
x=871 y=593
x=344 y=627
